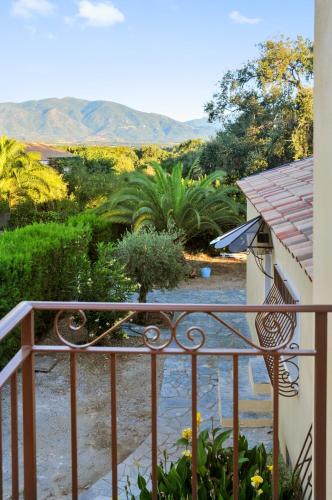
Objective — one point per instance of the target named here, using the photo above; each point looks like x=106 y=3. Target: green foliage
x=106 y=282
x=168 y=200
x=215 y=472
x=64 y=262
x=302 y=134
x=187 y=153
x=41 y=262
x=4 y=207
x=102 y=230
x=151 y=153
x=63 y=165
x=152 y=259
x=89 y=188
x=103 y=159
x=23 y=177
x=265 y=108
x=27 y=213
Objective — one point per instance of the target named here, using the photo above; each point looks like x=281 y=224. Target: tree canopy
x=24 y=178
x=152 y=259
x=265 y=110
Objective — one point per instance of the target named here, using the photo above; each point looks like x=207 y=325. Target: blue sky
x=162 y=56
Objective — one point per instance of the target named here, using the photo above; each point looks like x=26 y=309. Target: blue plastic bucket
x=206 y=272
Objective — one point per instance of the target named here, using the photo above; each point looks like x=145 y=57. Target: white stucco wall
x=295 y=413
x=322 y=292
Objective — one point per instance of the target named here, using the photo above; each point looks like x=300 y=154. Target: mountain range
x=71 y=120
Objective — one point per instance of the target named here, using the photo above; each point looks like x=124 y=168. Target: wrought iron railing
x=156 y=345
x=276 y=329
x=302 y=474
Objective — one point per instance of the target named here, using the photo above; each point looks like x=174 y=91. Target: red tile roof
x=284 y=198
x=47 y=152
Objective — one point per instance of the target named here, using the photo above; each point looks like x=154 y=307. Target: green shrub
x=215 y=471
x=89 y=188
x=28 y=213
x=106 y=282
x=64 y=262
x=102 y=230
x=41 y=262
x=152 y=259
x=4 y=206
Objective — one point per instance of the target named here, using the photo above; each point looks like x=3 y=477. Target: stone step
x=255 y=405
x=258 y=376
x=254 y=408
x=249 y=420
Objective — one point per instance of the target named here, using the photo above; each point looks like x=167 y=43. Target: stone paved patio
x=214 y=387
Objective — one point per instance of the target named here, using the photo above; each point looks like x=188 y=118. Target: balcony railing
x=155 y=345
x=272 y=331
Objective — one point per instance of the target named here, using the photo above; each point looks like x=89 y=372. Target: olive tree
x=152 y=259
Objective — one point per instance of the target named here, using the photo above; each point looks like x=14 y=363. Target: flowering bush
x=215 y=471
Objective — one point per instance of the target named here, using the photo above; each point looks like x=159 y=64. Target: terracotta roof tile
x=284 y=198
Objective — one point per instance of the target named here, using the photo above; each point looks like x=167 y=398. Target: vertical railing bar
x=194 y=424
x=73 y=425
x=154 y=439
x=114 y=436
x=14 y=436
x=235 y=426
x=1 y=473
x=275 y=482
x=320 y=405
x=29 y=411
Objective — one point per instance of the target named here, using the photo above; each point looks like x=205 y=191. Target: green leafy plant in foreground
x=215 y=471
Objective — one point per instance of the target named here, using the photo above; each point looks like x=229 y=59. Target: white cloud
x=68 y=20
x=25 y=8
x=240 y=19
x=99 y=13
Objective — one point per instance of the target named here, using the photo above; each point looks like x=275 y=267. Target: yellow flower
x=259 y=492
x=256 y=481
x=198 y=418
x=187 y=433
x=187 y=453
x=269 y=468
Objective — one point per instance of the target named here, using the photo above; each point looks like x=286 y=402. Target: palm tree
x=170 y=201
x=23 y=177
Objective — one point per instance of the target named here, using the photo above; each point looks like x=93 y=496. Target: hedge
x=102 y=230
x=41 y=262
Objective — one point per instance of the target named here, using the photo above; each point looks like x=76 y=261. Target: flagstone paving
x=215 y=382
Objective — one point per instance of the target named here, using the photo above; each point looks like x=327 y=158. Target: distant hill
x=71 y=120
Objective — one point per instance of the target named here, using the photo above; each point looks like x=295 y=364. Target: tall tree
x=265 y=109
x=23 y=177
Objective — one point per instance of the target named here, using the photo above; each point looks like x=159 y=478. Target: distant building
x=48 y=153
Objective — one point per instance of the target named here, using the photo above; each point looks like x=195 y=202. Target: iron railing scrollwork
x=302 y=474
x=273 y=330
x=71 y=322
x=71 y=318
